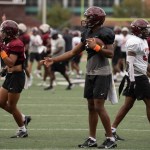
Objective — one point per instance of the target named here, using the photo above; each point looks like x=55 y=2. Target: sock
x=113 y=129
x=93 y=139
x=23 y=128
x=111 y=138
x=23 y=117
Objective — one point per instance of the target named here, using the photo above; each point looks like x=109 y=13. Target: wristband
x=3 y=54
x=97 y=48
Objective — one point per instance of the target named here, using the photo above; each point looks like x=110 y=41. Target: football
x=99 y=42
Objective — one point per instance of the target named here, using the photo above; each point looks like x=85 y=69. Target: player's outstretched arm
x=77 y=50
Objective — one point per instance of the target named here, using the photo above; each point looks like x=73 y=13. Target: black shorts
x=35 y=56
x=76 y=59
x=141 y=89
x=123 y=55
x=96 y=86
x=14 y=82
x=59 y=67
x=45 y=54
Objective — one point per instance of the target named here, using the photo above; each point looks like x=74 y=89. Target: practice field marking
x=55 y=149
x=70 y=105
x=66 y=129
x=57 y=115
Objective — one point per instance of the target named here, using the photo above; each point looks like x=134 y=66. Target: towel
x=112 y=94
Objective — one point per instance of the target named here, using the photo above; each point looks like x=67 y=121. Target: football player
x=98 y=72
x=75 y=62
x=13 y=54
x=138 y=86
x=45 y=34
x=25 y=38
x=117 y=52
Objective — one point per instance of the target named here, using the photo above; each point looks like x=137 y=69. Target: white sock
x=93 y=139
x=113 y=129
x=23 y=117
x=111 y=138
x=23 y=128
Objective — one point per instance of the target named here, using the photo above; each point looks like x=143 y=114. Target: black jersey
x=104 y=33
x=98 y=64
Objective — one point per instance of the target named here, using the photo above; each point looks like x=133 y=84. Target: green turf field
x=60 y=121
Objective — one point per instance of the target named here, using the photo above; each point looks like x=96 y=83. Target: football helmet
x=76 y=33
x=139 y=27
x=93 y=16
x=10 y=28
x=117 y=30
x=22 y=27
x=44 y=28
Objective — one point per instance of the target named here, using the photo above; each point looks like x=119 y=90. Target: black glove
x=2 y=46
x=3 y=72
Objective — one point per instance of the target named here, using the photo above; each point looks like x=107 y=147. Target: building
x=26 y=10
x=16 y=10
x=34 y=6
x=77 y=7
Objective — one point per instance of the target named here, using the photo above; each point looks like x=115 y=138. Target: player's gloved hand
x=3 y=49
x=3 y=46
x=3 y=72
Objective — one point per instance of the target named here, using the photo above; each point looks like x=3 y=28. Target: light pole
x=143 y=7
x=82 y=8
x=44 y=10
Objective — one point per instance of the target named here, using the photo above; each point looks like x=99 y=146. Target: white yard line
x=62 y=115
x=70 y=105
x=58 y=149
x=66 y=129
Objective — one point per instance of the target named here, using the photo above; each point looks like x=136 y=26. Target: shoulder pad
x=107 y=35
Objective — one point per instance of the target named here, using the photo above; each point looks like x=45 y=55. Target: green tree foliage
x=58 y=17
x=132 y=8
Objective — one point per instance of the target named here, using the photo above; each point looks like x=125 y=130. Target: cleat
x=107 y=144
x=20 y=134
x=70 y=86
x=27 y=120
x=49 y=88
x=117 y=138
x=88 y=143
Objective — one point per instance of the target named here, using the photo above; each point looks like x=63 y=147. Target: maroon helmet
x=9 y=27
x=139 y=27
x=94 y=16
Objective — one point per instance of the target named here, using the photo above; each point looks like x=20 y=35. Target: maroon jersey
x=16 y=47
x=25 y=38
x=45 y=38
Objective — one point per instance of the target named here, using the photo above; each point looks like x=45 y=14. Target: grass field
x=60 y=121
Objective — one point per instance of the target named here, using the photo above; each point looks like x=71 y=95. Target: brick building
x=26 y=10
x=15 y=10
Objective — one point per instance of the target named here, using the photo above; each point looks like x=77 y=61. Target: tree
x=132 y=8
x=58 y=17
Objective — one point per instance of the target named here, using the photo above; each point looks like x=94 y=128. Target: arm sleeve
x=130 y=60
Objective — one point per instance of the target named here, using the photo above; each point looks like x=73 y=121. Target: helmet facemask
x=90 y=21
